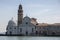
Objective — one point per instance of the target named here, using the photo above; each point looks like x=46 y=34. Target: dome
x=12 y=23
x=27 y=18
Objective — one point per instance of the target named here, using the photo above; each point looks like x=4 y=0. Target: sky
x=45 y=11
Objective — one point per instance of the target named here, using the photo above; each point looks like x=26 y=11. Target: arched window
x=53 y=33
x=20 y=29
x=44 y=33
x=10 y=27
x=15 y=28
x=36 y=32
x=35 y=27
x=32 y=29
x=10 y=32
x=26 y=32
x=26 y=22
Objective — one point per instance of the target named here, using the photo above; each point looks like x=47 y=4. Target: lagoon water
x=27 y=38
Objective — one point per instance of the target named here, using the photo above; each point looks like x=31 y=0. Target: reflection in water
x=27 y=38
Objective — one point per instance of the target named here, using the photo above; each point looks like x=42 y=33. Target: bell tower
x=20 y=14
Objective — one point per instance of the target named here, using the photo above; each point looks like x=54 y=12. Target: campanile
x=20 y=14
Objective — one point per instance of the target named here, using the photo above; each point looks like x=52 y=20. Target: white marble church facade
x=24 y=27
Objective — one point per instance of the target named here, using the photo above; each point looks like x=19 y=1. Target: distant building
x=29 y=26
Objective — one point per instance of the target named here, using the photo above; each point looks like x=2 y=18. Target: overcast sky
x=45 y=11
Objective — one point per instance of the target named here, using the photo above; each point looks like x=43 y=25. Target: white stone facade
x=26 y=28
x=11 y=28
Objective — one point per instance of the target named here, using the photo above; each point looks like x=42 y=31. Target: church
x=24 y=25
x=29 y=26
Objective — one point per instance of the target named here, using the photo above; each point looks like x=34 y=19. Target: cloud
x=49 y=19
